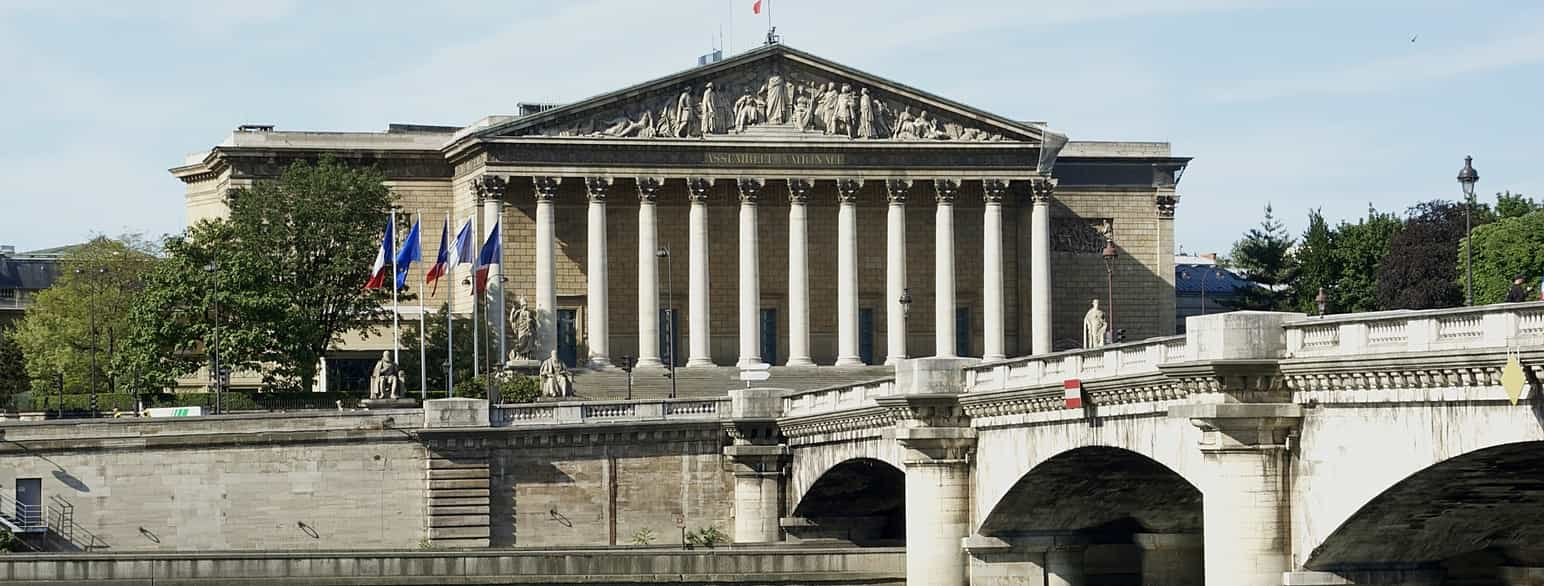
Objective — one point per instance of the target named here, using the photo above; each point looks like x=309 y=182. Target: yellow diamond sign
x=1512 y=379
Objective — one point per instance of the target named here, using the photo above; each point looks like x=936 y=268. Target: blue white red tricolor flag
x=461 y=250
x=410 y=251
x=490 y=255
x=756 y=8
x=441 y=259
x=382 y=260
x=1072 y=392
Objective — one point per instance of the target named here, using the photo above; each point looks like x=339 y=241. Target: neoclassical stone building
x=800 y=201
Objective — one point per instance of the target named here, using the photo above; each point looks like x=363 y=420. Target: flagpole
x=423 y=283
x=472 y=280
x=450 y=324
x=396 y=334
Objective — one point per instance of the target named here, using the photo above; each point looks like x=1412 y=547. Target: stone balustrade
x=1132 y=358
x=571 y=412
x=838 y=398
x=1488 y=326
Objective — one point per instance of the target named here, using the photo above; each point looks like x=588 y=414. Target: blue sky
x=1300 y=104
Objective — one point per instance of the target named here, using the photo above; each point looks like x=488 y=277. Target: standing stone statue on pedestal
x=385 y=378
x=556 y=381
x=1094 y=326
x=522 y=322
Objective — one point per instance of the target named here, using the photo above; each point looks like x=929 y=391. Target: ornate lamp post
x=626 y=364
x=213 y=269
x=905 y=302
x=664 y=253
x=1321 y=300
x=1109 y=255
x=1467 y=177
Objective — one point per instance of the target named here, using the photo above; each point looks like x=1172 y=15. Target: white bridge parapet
x=1486 y=326
x=571 y=412
x=1131 y=358
x=838 y=398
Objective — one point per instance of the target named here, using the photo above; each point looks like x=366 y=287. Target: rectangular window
x=962 y=331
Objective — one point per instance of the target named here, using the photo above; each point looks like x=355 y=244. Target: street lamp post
x=664 y=253
x=1467 y=177
x=1109 y=254
x=627 y=367
x=213 y=268
x=905 y=302
x=1321 y=300
x=91 y=328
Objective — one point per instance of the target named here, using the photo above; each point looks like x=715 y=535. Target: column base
x=649 y=363
x=994 y=357
x=800 y=362
x=745 y=363
x=849 y=361
x=600 y=363
x=700 y=362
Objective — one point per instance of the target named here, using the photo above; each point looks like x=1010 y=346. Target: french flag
x=490 y=255
x=1072 y=392
x=440 y=260
x=383 y=258
x=461 y=251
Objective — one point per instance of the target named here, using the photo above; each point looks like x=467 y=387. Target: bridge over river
x=1259 y=448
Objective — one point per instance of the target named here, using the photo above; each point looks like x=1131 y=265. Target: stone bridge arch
x=1007 y=454
x=862 y=501
x=1354 y=461
x=1486 y=507
x=812 y=461
x=1097 y=486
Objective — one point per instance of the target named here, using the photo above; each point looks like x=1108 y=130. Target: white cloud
x=1393 y=73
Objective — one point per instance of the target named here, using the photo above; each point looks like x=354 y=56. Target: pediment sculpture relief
x=745 y=100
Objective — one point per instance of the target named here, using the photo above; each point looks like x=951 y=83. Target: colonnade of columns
x=946 y=190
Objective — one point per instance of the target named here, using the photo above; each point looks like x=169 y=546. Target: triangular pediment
x=774 y=93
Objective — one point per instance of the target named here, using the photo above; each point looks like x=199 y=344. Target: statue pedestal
x=402 y=403
x=523 y=366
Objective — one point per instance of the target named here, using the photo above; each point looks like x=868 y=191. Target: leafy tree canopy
x=1504 y=249
x=287 y=268
x=1265 y=257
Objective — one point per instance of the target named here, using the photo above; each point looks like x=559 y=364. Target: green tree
x=85 y=311
x=1264 y=256
x=1359 y=249
x=1418 y=272
x=1510 y=205
x=291 y=259
x=13 y=367
x=1502 y=250
x=436 y=338
x=1318 y=265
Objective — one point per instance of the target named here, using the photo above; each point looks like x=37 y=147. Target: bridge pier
x=1171 y=559
x=1064 y=564
x=938 y=442
x=759 y=458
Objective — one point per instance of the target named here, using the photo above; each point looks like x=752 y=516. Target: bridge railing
x=537 y=414
x=1131 y=358
x=837 y=398
x=1487 y=326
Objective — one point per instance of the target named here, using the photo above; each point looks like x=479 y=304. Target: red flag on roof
x=756 y=8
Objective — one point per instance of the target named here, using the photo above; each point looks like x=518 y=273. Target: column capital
x=1041 y=189
x=847 y=190
x=946 y=190
x=546 y=187
x=993 y=190
x=701 y=188
x=750 y=190
x=1166 y=203
x=897 y=189
x=799 y=190
x=598 y=188
x=648 y=188
x=487 y=186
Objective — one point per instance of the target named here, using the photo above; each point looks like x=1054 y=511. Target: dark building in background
x=1201 y=287
x=22 y=276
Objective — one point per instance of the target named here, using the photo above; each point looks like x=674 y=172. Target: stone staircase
x=652 y=383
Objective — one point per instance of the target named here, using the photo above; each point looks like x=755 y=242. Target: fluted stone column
x=895 y=270
x=648 y=274
x=847 y=273
x=993 y=191
x=750 y=275
x=1040 y=265
x=943 y=268
x=598 y=308
x=546 y=270
x=798 y=273
x=700 y=347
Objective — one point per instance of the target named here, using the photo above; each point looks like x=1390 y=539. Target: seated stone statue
x=385 y=378
x=556 y=380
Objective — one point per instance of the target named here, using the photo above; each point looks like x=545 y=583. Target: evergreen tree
x=1264 y=256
